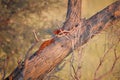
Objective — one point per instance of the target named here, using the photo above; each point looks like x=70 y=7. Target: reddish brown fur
x=60 y=32
x=56 y=31
x=45 y=44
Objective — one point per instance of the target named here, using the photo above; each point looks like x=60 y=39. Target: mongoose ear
x=45 y=44
x=57 y=31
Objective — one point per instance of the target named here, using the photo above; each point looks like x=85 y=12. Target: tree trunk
x=78 y=33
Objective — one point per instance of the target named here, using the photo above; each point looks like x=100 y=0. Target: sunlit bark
x=48 y=58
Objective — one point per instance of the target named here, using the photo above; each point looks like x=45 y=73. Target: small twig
x=35 y=36
x=4 y=67
x=102 y=60
x=28 y=52
x=55 y=77
x=33 y=44
x=4 y=71
x=108 y=72
x=78 y=71
x=75 y=73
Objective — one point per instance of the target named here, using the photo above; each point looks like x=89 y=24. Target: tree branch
x=74 y=9
x=56 y=51
x=73 y=14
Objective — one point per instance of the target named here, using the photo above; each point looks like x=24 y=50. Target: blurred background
x=18 y=19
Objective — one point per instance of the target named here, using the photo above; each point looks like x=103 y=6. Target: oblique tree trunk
x=75 y=29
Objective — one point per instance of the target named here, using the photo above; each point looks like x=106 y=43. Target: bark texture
x=79 y=33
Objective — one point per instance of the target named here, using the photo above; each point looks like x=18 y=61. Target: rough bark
x=73 y=14
x=79 y=32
